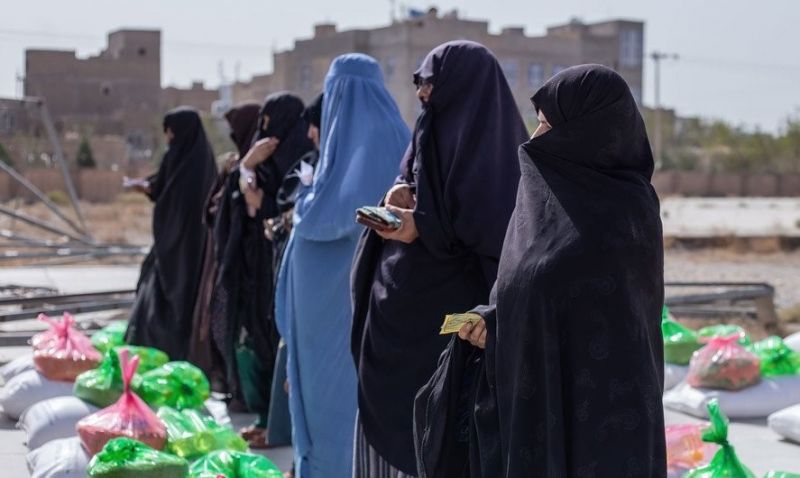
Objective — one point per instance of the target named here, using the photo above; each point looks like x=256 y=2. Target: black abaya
x=571 y=379
x=245 y=256
x=165 y=297
x=463 y=163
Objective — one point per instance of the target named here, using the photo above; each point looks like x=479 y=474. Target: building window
x=390 y=67
x=511 y=70
x=630 y=48
x=535 y=75
x=558 y=69
x=305 y=77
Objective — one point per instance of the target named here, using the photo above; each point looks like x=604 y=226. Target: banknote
x=453 y=322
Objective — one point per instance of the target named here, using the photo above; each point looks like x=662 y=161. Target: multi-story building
x=401 y=46
x=116 y=92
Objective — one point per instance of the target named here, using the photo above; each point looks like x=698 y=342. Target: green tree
x=85 y=158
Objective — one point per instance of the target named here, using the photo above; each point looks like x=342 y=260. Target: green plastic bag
x=231 y=464
x=724 y=330
x=110 y=336
x=103 y=386
x=127 y=458
x=679 y=342
x=776 y=357
x=780 y=474
x=191 y=434
x=179 y=385
x=725 y=463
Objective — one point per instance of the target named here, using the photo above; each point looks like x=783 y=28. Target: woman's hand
x=253 y=198
x=260 y=152
x=474 y=334
x=402 y=196
x=407 y=232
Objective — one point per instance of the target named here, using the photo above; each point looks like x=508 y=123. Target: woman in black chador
x=244 y=293
x=572 y=372
x=455 y=195
x=167 y=289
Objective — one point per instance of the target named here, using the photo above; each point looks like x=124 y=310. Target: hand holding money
x=454 y=322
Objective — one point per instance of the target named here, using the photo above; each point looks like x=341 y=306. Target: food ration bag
x=776 y=357
x=126 y=458
x=53 y=419
x=28 y=389
x=128 y=417
x=231 y=464
x=191 y=434
x=680 y=342
x=179 y=385
x=724 y=364
x=725 y=463
x=686 y=449
x=65 y=353
x=110 y=336
x=102 y=386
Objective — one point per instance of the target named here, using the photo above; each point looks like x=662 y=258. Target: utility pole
x=657 y=56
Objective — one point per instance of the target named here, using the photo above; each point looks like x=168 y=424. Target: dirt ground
x=128 y=221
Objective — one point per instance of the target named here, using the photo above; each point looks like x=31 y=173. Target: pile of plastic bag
x=750 y=380
x=105 y=424
x=725 y=463
x=128 y=417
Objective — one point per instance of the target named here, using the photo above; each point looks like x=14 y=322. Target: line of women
x=552 y=249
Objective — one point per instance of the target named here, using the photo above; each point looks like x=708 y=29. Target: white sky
x=740 y=60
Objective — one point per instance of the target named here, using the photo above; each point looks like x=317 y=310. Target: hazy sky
x=740 y=60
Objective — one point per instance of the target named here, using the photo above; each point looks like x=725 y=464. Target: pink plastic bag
x=63 y=353
x=724 y=364
x=685 y=447
x=129 y=417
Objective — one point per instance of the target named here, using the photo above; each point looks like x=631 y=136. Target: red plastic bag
x=685 y=447
x=63 y=353
x=129 y=417
x=724 y=364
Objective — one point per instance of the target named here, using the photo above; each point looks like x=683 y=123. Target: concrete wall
x=704 y=184
x=90 y=185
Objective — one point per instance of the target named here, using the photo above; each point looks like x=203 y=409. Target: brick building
x=116 y=92
x=401 y=46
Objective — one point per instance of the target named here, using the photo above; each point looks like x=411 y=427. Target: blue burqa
x=362 y=142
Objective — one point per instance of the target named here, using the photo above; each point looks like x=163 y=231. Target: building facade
x=528 y=61
x=116 y=92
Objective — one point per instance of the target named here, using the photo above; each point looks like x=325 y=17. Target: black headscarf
x=463 y=162
x=313 y=112
x=245 y=256
x=179 y=190
x=285 y=112
x=243 y=121
x=573 y=366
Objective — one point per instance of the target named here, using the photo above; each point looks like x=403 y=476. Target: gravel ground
x=782 y=270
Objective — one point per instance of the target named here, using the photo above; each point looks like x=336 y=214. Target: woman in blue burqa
x=362 y=141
